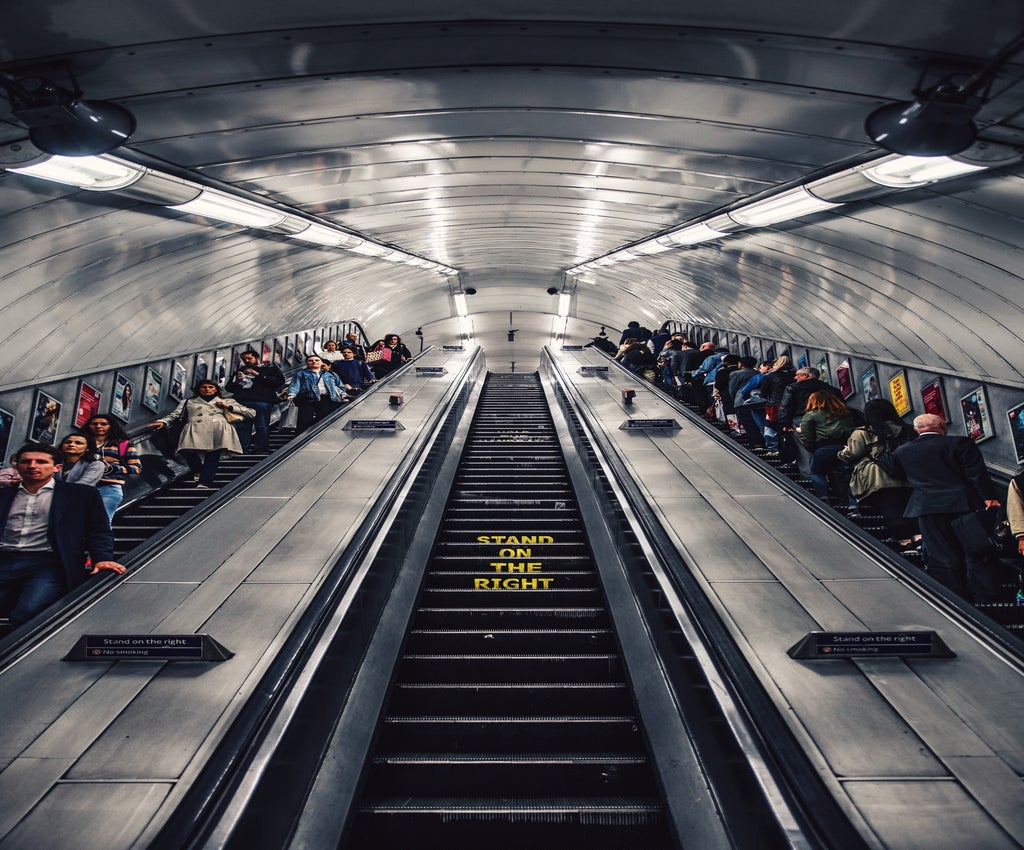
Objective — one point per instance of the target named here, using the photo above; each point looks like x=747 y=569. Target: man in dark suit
x=950 y=480
x=46 y=528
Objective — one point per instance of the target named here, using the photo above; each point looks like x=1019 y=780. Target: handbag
x=377 y=355
x=233 y=417
x=303 y=396
x=982 y=534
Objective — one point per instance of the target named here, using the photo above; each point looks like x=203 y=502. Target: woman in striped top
x=118 y=454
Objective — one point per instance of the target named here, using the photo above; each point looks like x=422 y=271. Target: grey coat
x=205 y=428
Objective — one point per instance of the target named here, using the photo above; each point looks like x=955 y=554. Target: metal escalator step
x=517 y=697
x=577 y=667
x=504 y=641
x=523 y=733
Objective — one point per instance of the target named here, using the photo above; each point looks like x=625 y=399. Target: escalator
x=510 y=721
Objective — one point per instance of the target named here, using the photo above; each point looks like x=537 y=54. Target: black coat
x=793 y=402
x=78 y=524
x=948 y=475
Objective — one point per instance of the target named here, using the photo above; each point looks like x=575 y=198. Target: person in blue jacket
x=316 y=392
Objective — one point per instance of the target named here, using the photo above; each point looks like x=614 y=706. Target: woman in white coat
x=206 y=431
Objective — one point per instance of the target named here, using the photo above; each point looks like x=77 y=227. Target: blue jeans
x=824 y=461
x=260 y=444
x=112 y=496
x=29 y=582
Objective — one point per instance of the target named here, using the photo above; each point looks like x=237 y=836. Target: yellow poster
x=898 y=393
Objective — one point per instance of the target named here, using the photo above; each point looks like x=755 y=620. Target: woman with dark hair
x=826 y=426
x=119 y=456
x=81 y=464
x=206 y=431
x=870 y=483
x=395 y=354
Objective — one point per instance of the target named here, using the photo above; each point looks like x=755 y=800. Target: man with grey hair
x=950 y=480
x=806 y=382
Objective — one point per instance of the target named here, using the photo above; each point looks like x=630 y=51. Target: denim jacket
x=307 y=380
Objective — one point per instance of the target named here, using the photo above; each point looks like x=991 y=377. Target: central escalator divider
x=510 y=722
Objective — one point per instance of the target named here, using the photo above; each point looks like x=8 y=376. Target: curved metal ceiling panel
x=512 y=142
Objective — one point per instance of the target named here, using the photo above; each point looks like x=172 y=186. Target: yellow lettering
x=533 y=566
x=483 y=539
x=482 y=583
x=514 y=553
x=498 y=565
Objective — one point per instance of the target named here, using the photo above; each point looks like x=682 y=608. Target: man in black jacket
x=950 y=480
x=793 y=405
x=46 y=528
x=256 y=385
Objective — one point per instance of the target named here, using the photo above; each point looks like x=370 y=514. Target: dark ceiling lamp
x=61 y=123
x=940 y=119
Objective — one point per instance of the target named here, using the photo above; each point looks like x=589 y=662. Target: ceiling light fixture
x=939 y=121
x=107 y=173
x=60 y=122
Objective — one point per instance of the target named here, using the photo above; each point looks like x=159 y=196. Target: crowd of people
x=932 y=490
x=57 y=504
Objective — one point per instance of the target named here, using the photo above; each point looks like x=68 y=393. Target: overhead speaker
x=61 y=123
x=939 y=123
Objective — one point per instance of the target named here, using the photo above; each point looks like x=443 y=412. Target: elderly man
x=793 y=405
x=46 y=528
x=950 y=480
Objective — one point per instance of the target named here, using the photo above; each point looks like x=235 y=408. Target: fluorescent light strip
x=564 y=300
x=221 y=206
x=783 y=207
x=692 y=235
x=906 y=172
x=109 y=174
x=95 y=173
x=461 y=308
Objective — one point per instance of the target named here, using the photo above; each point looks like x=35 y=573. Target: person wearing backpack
x=871 y=483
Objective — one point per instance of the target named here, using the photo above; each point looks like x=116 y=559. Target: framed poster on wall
x=844 y=380
x=124 y=395
x=1015 y=416
x=45 y=419
x=151 y=388
x=202 y=369
x=869 y=384
x=6 y=425
x=179 y=381
x=977 y=421
x=899 y=395
x=822 y=367
x=932 y=400
x=803 y=359
x=88 y=404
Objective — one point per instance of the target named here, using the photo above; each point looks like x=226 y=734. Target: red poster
x=88 y=404
x=931 y=399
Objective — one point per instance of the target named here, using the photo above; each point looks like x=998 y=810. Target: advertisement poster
x=278 y=352
x=899 y=394
x=977 y=422
x=822 y=367
x=289 y=350
x=869 y=384
x=151 y=389
x=932 y=401
x=1015 y=415
x=220 y=366
x=179 y=381
x=202 y=369
x=6 y=424
x=45 y=420
x=844 y=379
x=803 y=361
x=265 y=352
x=124 y=392
x=88 y=404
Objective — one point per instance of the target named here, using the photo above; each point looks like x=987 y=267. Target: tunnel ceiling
x=511 y=141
